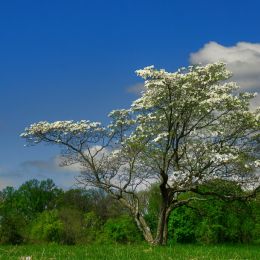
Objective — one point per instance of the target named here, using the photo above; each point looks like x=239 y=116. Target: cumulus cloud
x=243 y=59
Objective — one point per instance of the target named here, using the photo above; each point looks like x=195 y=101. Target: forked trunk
x=162 y=227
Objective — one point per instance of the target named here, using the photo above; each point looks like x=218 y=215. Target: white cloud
x=243 y=60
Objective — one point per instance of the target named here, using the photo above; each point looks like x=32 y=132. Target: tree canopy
x=187 y=128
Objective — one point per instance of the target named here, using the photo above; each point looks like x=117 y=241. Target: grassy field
x=122 y=252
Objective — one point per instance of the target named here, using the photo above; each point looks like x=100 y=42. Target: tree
x=73 y=221
x=12 y=219
x=78 y=199
x=20 y=206
x=36 y=196
x=47 y=227
x=187 y=128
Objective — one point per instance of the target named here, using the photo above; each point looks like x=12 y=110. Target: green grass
x=122 y=252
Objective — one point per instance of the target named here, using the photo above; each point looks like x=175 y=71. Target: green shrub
x=47 y=227
x=122 y=230
x=181 y=225
x=73 y=221
x=212 y=221
x=12 y=229
x=93 y=227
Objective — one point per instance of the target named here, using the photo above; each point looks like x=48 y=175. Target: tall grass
x=131 y=252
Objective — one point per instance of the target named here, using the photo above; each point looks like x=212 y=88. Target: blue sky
x=63 y=60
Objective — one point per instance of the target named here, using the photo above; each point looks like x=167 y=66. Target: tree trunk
x=165 y=230
x=145 y=229
x=162 y=226
x=140 y=221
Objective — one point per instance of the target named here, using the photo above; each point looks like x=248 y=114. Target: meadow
x=133 y=252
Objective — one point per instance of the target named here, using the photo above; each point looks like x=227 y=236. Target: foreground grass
x=132 y=252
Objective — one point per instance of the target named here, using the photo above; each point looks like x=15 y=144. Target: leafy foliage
x=76 y=217
x=72 y=222
x=93 y=227
x=214 y=220
x=122 y=229
x=182 y=225
x=47 y=227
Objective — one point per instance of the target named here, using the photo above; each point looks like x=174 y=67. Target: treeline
x=40 y=212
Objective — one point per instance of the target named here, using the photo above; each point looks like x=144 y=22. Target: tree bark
x=145 y=229
x=162 y=226
x=165 y=230
x=140 y=221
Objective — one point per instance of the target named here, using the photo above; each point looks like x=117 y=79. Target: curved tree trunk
x=140 y=221
x=145 y=229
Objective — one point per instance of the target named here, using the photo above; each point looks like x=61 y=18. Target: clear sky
x=63 y=60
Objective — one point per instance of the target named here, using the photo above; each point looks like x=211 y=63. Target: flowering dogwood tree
x=187 y=128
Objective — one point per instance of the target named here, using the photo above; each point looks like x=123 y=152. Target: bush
x=181 y=225
x=213 y=221
x=47 y=227
x=122 y=229
x=256 y=215
x=12 y=229
x=224 y=221
x=93 y=227
x=12 y=221
x=73 y=222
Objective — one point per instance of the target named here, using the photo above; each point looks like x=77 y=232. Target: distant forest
x=40 y=212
